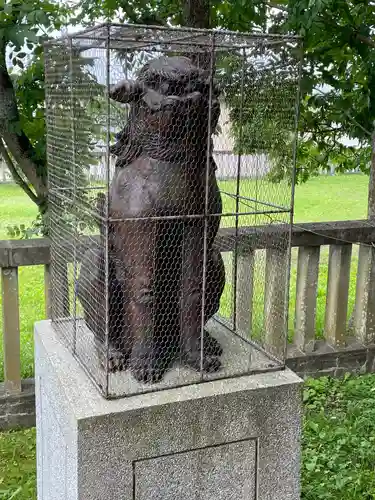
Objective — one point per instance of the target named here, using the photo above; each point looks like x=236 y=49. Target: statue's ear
x=126 y=91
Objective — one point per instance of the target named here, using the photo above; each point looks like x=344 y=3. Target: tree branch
x=16 y=176
x=367 y=41
x=17 y=142
x=18 y=147
x=353 y=120
x=273 y=5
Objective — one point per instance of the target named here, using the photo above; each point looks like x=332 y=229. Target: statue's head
x=172 y=99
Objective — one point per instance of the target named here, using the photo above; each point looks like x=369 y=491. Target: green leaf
x=8 y=8
x=18 y=35
x=31 y=36
x=311 y=465
x=42 y=18
x=38 y=50
x=10 y=231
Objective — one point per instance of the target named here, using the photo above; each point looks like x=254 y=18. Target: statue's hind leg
x=92 y=296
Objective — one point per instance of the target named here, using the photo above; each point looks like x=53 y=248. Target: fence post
x=274 y=300
x=60 y=288
x=364 y=310
x=306 y=293
x=244 y=295
x=47 y=290
x=11 y=326
x=337 y=294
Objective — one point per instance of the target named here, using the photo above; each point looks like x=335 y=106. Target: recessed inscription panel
x=225 y=472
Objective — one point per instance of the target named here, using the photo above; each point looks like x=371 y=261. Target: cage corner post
x=105 y=234
x=74 y=194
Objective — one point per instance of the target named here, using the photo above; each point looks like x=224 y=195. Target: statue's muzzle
x=191 y=104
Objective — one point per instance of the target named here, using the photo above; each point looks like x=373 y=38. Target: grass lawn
x=17 y=465
x=326 y=198
x=338 y=445
x=339 y=439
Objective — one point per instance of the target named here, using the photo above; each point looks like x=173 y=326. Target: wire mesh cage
x=169 y=225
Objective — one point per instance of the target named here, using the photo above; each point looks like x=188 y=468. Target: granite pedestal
x=233 y=439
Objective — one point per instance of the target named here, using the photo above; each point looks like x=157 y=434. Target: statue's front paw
x=208 y=364
x=145 y=364
x=117 y=361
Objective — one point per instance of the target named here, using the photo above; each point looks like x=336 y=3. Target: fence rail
x=342 y=340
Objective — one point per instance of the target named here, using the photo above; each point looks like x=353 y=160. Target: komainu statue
x=161 y=233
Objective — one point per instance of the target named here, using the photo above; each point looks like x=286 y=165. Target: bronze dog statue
x=160 y=241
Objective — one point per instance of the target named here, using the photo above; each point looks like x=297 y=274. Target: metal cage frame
x=67 y=243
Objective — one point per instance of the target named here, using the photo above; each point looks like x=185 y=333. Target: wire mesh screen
x=170 y=228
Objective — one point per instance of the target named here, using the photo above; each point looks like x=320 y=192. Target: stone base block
x=233 y=439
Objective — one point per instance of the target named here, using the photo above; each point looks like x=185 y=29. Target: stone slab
x=200 y=442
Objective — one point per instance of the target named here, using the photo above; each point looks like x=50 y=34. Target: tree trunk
x=197 y=14
x=370 y=217
x=16 y=141
x=371 y=185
